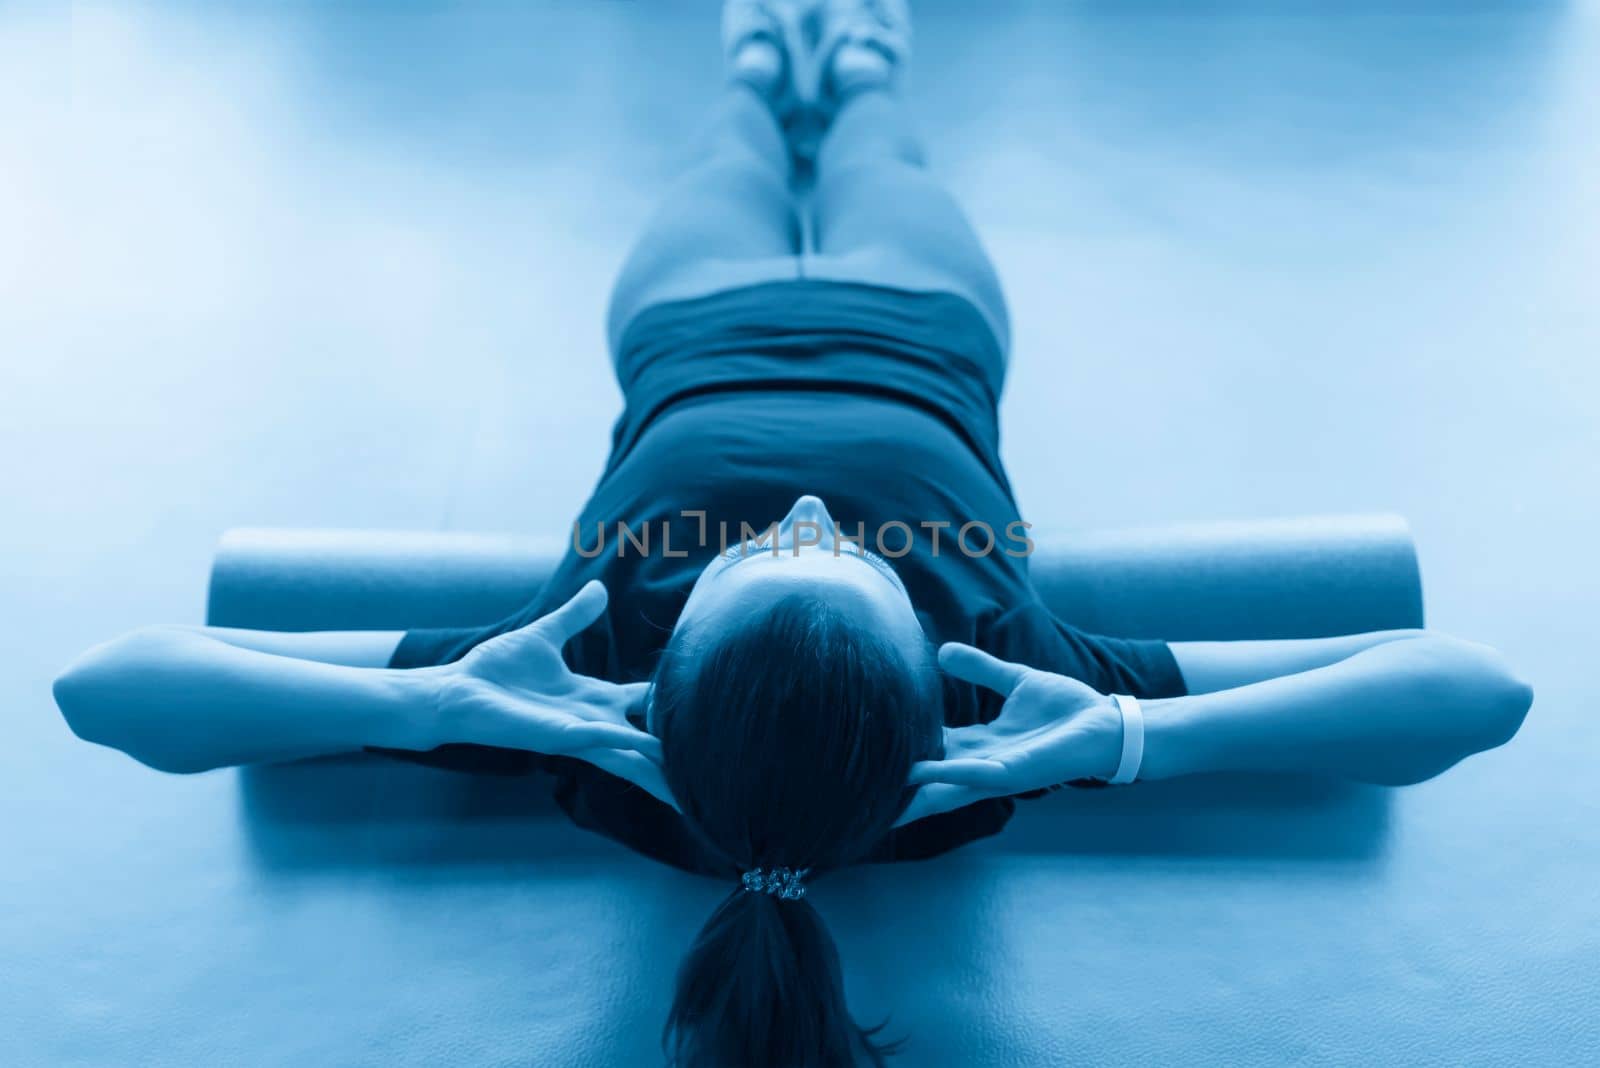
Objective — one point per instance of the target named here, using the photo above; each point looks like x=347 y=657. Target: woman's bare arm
x=1395 y=712
x=352 y=648
x=1211 y=666
x=184 y=699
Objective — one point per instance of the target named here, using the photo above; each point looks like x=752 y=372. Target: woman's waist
x=913 y=419
x=817 y=331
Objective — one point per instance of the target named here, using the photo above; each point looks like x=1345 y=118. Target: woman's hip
x=816 y=334
x=863 y=271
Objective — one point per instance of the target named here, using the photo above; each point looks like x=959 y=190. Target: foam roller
x=1280 y=578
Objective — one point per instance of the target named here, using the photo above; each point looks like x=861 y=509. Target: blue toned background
x=291 y=264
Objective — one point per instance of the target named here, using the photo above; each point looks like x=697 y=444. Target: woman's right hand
x=515 y=691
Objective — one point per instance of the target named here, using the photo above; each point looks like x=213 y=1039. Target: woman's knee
x=872 y=128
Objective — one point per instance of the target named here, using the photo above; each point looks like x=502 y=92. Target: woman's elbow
x=89 y=696
x=74 y=694
x=97 y=697
x=1509 y=704
x=1487 y=699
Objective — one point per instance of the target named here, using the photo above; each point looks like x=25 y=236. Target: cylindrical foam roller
x=1304 y=577
x=1277 y=578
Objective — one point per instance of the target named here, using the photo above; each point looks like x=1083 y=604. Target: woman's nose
x=810 y=509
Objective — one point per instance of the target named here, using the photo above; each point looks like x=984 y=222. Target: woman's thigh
x=887 y=222
x=728 y=222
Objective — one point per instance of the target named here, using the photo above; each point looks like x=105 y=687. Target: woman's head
x=803 y=554
x=789 y=719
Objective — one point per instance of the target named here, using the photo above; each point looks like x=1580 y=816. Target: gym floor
x=308 y=265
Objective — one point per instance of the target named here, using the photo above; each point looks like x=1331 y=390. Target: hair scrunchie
x=783 y=883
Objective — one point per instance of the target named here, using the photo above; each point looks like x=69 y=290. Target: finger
x=635 y=768
x=600 y=734
x=977 y=666
x=580 y=611
x=609 y=701
x=919 y=808
x=963 y=740
x=633 y=696
x=976 y=772
x=937 y=798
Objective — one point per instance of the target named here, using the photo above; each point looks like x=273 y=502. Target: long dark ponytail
x=762 y=986
x=786 y=744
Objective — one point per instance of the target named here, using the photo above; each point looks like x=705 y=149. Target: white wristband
x=1132 y=739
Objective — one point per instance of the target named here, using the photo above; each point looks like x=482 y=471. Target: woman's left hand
x=1051 y=729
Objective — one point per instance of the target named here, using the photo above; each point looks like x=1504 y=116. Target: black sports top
x=882 y=403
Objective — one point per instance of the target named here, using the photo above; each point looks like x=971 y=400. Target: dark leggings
x=874 y=216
